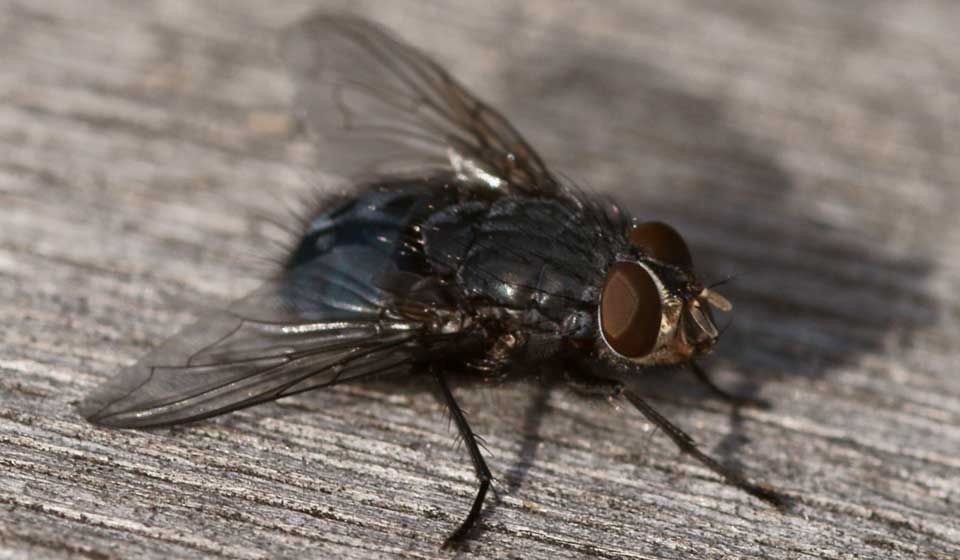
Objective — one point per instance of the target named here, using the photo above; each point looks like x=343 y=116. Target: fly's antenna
x=729 y=278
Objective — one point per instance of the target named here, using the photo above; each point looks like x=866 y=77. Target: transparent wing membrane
x=377 y=106
x=228 y=361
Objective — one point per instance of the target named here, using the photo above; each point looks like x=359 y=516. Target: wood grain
x=812 y=148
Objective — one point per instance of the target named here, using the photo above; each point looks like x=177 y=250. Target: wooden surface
x=810 y=147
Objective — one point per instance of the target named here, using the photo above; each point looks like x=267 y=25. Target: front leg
x=590 y=385
x=735 y=400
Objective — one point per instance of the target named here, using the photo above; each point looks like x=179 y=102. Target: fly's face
x=653 y=310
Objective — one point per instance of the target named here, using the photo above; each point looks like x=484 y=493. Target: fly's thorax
x=653 y=309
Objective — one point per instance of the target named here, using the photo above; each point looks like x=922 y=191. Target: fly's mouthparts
x=715 y=299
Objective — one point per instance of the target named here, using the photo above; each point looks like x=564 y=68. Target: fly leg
x=479 y=465
x=588 y=384
x=591 y=386
x=689 y=446
x=735 y=400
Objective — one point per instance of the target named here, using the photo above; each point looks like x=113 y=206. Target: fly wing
x=378 y=106
x=231 y=360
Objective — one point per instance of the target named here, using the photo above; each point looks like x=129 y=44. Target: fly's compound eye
x=663 y=243
x=630 y=310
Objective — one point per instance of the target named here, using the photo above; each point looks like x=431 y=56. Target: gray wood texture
x=812 y=148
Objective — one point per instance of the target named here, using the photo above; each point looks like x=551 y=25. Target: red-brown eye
x=663 y=243
x=630 y=310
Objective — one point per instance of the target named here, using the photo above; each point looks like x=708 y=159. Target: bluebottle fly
x=458 y=251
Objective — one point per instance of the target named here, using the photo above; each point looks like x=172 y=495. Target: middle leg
x=479 y=465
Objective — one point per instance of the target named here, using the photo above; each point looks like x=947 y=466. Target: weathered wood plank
x=810 y=147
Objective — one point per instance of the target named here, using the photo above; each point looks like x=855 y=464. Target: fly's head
x=653 y=309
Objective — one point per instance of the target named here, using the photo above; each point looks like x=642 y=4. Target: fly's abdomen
x=360 y=255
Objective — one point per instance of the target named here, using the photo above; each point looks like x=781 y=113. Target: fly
x=457 y=251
